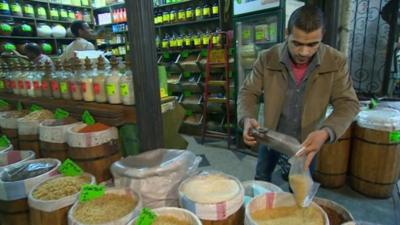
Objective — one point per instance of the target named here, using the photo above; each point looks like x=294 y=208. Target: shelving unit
x=56 y=43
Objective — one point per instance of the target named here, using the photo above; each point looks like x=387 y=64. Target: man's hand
x=247 y=126
x=312 y=145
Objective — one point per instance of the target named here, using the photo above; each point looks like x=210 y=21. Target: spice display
x=212 y=188
x=87 y=82
x=39 y=115
x=14 y=114
x=94 y=128
x=169 y=220
x=55 y=80
x=66 y=75
x=37 y=80
x=99 y=82
x=126 y=85
x=112 y=84
x=45 y=83
x=60 y=187
x=105 y=209
x=288 y=215
x=26 y=171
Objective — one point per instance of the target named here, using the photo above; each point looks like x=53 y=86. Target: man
x=83 y=33
x=298 y=79
x=33 y=53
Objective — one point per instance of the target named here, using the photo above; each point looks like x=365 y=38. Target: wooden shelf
x=212 y=19
x=110 y=45
x=17 y=17
x=110 y=6
x=173 y=4
x=60 y=4
x=37 y=38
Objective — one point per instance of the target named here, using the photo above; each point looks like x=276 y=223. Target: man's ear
x=286 y=34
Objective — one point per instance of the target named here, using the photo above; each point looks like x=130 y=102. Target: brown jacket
x=329 y=83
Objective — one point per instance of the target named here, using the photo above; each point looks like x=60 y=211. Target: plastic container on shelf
x=99 y=82
x=28 y=83
x=4 y=8
x=28 y=10
x=87 y=82
x=126 y=85
x=112 y=83
x=54 y=15
x=41 y=12
x=63 y=14
x=16 y=9
x=21 y=80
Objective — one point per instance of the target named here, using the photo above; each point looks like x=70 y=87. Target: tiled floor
x=242 y=166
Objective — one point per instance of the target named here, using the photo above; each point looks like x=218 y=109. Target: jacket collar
x=323 y=60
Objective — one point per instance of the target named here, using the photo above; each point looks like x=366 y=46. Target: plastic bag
x=156 y=174
x=27 y=171
x=301 y=182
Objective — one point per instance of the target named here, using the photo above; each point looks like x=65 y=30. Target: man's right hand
x=249 y=124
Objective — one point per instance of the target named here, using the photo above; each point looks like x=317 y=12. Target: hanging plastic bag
x=301 y=182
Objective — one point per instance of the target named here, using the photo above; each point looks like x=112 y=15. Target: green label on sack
x=185 y=54
x=87 y=118
x=187 y=93
x=186 y=74
x=4 y=142
x=3 y=103
x=60 y=114
x=19 y=106
x=63 y=87
x=70 y=168
x=146 y=217
x=166 y=55
x=91 y=192
x=394 y=137
x=373 y=104
x=124 y=89
x=110 y=89
x=35 y=108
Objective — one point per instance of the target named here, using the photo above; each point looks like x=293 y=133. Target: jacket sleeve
x=344 y=100
x=250 y=91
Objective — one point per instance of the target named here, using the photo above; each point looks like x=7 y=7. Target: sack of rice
x=172 y=216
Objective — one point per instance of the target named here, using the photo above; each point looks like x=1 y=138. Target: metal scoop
x=280 y=142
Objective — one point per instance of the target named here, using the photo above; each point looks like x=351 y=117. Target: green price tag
x=35 y=108
x=185 y=54
x=19 y=106
x=124 y=89
x=70 y=168
x=166 y=55
x=146 y=217
x=110 y=89
x=3 y=103
x=204 y=53
x=61 y=114
x=4 y=142
x=189 y=112
x=187 y=93
x=260 y=36
x=91 y=192
x=394 y=137
x=186 y=74
x=373 y=103
x=87 y=118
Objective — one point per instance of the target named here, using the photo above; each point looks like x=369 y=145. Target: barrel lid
x=210 y=188
x=383 y=119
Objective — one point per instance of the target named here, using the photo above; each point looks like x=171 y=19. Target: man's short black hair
x=76 y=26
x=32 y=48
x=307 y=18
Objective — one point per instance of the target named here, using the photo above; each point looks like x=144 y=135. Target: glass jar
x=54 y=15
x=37 y=81
x=28 y=10
x=87 y=82
x=4 y=7
x=190 y=13
x=55 y=80
x=28 y=81
x=206 y=10
x=46 y=80
x=181 y=15
x=165 y=17
x=41 y=12
x=8 y=79
x=215 y=9
x=199 y=12
x=126 y=86
x=99 y=82
x=64 y=88
x=112 y=84
x=21 y=80
x=15 y=74
x=75 y=81
x=16 y=9
x=173 y=16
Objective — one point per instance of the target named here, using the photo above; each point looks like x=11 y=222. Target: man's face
x=302 y=46
x=86 y=32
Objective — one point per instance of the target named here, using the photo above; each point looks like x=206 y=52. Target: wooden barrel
x=337 y=214
x=332 y=162
x=53 y=139
x=375 y=158
x=12 y=135
x=53 y=212
x=14 y=212
x=226 y=210
x=94 y=152
x=29 y=142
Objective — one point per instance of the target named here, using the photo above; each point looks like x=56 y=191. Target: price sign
x=146 y=217
x=61 y=114
x=70 y=168
x=90 y=192
x=87 y=118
